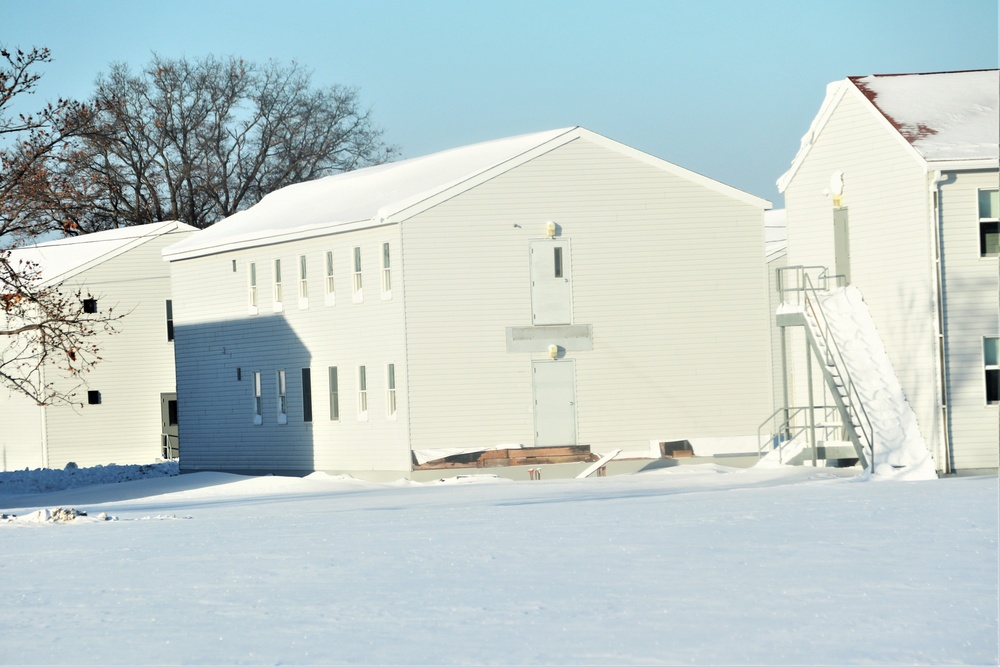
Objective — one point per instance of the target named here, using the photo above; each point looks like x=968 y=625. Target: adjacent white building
x=549 y=289
x=895 y=188
x=130 y=391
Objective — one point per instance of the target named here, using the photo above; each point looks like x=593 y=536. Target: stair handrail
x=786 y=430
x=810 y=299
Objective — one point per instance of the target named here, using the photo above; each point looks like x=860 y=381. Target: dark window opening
x=94 y=397
x=172 y=413
x=307 y=408
x=989 y=239
x=170 y=320
x=90 y=305
x=239 y=374
x=558 y=261
x=992 y=386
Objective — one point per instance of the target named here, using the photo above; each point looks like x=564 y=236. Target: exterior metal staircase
x=817 y=429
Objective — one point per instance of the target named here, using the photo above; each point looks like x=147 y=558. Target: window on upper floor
x=989 y=223
x=991 y=363
x=278 y=294
x=330 y=299
x=386 y=273
x=252 y=295
x=303 y=283
x=90 y=305
x=170 y=320
x=358 y=294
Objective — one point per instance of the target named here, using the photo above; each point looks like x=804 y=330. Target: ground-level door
x=554 y=387
x=168 y=426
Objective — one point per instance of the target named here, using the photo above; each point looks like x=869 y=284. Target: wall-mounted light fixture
x=550 y=229
x=553 y=351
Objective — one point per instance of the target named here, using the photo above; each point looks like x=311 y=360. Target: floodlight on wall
x=553 y=351
x=550 y=229
x=837 y=188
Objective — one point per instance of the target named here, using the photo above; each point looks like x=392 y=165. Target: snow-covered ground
x=683 y=565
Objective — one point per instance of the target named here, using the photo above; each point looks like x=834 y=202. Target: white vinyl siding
x=646 y=276
x=221 y=338
x=125 y=427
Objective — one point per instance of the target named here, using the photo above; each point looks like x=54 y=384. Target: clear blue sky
x=725 y=88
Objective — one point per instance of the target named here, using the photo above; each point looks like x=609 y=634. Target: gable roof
x=393 y=192
x=64 y=258
x=951 y=117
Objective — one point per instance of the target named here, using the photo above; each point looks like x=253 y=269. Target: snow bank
x=43 y=480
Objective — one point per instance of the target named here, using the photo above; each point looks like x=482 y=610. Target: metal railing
x=796 y=281
x=789 y=424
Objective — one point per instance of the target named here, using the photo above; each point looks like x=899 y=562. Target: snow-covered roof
x=951 y=117
x=945 y=116
x=395 y=191
x=63 y=258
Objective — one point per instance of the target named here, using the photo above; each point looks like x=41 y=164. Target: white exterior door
x=551 y=282
x=554 y=385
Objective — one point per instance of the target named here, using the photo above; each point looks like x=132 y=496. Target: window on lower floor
x=334 y=394
x=362 y=393
x=989 y=223
x=282 y=397
x=991 y=362
x=258 y=400
x=390 y=390
x=307 y=399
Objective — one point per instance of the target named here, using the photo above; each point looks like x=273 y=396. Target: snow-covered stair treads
x=900 y=449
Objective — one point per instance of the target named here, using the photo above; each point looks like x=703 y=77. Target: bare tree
x=46 y=332
x=199 y=140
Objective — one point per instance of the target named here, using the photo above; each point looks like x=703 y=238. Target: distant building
x=558 y=288
x=130 y=391
x=895 y=189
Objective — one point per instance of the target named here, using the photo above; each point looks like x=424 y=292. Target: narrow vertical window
x=334 y=395
x=253 y=287
x=307 y=396
x=258 y=400
x=557 y=261
x=991 y=362
x=303 y=283
x=170 y=320
x=386 y=273
x=282 y=397
x=362 y=394
x=989 y=223
x=329 y=278
x=358 y=295
x=278 y=296
x=390 y=390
